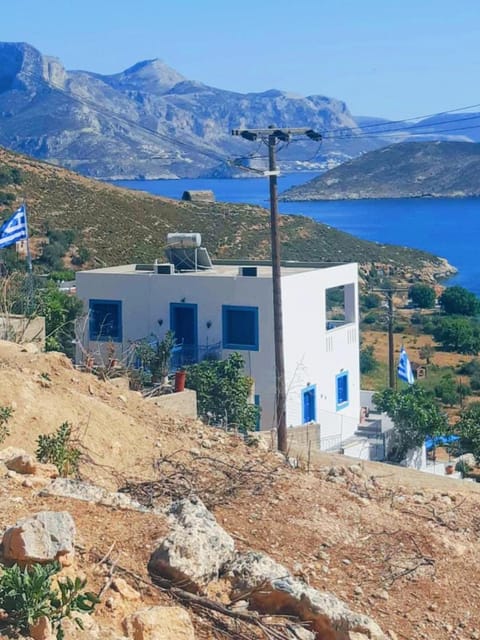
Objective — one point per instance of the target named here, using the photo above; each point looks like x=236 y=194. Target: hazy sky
x=391 y=58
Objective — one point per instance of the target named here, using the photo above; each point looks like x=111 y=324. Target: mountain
x=127 y=125
x=405 y=170
x=123 y=226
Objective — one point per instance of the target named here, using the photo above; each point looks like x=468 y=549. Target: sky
x=389 y=58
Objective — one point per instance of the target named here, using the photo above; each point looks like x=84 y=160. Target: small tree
x=59 y=449
x=223 y=391
x=458 y=334
x=426 y=352
x=422 y=295
x=416 y=416
x=368 y=363
x=468 y=428
x=459 y=301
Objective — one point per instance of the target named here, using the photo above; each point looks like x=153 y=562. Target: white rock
x=195 y=550
x=44 y=537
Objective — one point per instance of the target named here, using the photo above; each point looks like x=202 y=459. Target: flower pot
x=180 y=381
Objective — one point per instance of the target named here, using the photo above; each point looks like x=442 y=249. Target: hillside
x=121 y=226
x=405 y=170
x=389 y=542
x=122 y=125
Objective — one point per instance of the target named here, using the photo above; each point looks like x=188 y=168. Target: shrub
x=460 y=301
x=422 y=295
x=5 y=415
x=368 y=363
x=59 y=450
x=27 y=595
x=371 y=318
x=458 y=334
x=223 y=391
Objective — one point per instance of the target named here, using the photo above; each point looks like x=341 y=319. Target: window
x=240 y=328
x=342 y=390
x=340 y=304
x=106 y=320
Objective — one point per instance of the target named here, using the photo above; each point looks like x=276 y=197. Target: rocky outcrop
x=159 y=623
x=271 y=588
x=44 y=537
x=196 y=549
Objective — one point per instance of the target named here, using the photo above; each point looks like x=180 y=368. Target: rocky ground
x=398 y=546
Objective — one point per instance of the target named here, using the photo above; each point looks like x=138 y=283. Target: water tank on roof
x=184 y=240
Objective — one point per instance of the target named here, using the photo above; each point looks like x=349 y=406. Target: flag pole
x=29 y=255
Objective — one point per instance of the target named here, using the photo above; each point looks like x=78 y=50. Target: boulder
x=78 y=490
x=281 y=593
x=196 y=549
x=44 y=537
x=159 y=623
x=24 y=464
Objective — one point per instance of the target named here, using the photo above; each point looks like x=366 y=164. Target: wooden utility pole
x=271 y=137
x=390 y=318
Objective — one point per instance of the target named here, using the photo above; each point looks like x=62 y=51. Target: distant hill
x=121 y=226
x=404 y=170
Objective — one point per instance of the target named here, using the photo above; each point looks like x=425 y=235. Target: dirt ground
x=398 y=545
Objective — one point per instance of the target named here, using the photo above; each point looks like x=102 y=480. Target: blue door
x=309 y=413
x=183 y=322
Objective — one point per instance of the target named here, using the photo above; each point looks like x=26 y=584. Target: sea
x=446 y=227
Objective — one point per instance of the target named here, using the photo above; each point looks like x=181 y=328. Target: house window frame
x=93 y=334
x=311 y=387
x=227 y=308
x=344 y=403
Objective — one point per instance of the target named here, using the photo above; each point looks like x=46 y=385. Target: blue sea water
x=446 y=227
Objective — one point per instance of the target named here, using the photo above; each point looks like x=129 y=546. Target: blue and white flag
x=14 y=228
x=404 y=369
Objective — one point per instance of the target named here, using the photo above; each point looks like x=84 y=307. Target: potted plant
x=156 y=357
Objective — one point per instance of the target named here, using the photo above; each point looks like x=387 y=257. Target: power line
x=414 y=118
x=377 y=136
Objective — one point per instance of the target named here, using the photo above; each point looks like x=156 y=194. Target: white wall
x=314 y=355
x=146 y=298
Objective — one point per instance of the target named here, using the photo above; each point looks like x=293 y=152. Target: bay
x=447 y=227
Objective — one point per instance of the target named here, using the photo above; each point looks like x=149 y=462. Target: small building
x=228 y=307
x=199 y=196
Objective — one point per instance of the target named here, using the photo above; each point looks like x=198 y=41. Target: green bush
x=223 y=391
x=422 y=295
x=26 y=595
x=368 y=363
x=5 y=415
x=371 y=318
x=59 y=450
x=459 y=301
x=461 y=335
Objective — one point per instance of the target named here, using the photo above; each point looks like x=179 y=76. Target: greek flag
x=404 y=369
x=14 y=228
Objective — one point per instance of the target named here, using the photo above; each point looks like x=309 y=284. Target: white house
x=228 y=308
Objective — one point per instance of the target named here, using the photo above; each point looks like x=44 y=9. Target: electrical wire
x=414 y=118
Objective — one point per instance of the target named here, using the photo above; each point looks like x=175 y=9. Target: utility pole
x=271 y=137
x=390 y=317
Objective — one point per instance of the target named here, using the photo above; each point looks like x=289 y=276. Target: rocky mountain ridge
x=126 y=125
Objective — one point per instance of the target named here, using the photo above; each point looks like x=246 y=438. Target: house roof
x=264 y=269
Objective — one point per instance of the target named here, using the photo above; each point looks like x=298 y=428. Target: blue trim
x=344 y=403
x=92 y=329
x=185 y=305
x=231 y=345
x=305 y=391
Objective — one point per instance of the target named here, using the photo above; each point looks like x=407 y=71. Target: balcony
x=184 y=355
